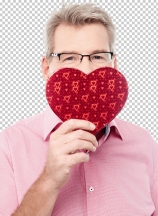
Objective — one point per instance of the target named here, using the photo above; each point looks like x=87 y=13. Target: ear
x=45 y=68
x=115 y=62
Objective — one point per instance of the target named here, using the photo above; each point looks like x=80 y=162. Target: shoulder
x=21 y=129
x=32 y=123
x=133 y=131
x=138 y=139
x=140 y=142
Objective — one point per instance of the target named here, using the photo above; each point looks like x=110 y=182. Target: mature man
x=42 y=170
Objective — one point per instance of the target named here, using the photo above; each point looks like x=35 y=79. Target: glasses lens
x=101 y=57
x=70 y=58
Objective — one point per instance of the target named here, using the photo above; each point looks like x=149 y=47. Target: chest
x=106 y=187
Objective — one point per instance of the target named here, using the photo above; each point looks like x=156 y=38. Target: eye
x=101 y=57
x=97 y=57
x=69 y=58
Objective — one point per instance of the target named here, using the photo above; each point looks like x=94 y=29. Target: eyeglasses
x=74 y=58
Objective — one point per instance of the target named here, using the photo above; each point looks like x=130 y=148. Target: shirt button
x=91 y=189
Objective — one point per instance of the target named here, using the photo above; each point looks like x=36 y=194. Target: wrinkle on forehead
x=85 y=39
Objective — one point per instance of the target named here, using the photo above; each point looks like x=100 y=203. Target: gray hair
x=78 y=15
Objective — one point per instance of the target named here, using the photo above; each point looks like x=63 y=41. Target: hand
x=64 y=149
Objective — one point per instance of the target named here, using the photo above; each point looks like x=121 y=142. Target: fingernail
x=94 y=148
x=97 y=142
x=92 y=126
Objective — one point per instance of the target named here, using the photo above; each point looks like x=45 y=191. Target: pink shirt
x=121 y=178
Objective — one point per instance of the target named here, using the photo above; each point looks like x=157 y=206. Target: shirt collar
x=51 y=120
x=118 y=129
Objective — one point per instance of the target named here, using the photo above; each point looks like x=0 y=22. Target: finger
x=78 y=145
x=73 y=124
x=81 y=135
x=77 y=158
x=76 y=135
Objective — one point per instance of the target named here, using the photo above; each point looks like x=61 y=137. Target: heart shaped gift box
x=97 y=97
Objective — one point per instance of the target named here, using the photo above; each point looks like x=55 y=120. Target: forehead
x=84 y=39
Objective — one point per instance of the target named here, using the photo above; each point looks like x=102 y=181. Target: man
x=43 y=171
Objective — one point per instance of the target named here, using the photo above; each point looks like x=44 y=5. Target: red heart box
x=97 y=97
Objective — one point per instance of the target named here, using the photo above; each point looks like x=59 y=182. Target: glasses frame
x=59 y=54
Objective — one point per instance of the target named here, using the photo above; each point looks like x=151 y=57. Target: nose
x=86 y=65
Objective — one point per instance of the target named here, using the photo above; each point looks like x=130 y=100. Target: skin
x=65 y=142
x=83 y=40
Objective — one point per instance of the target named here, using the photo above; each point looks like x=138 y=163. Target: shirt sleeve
x=155 y=192
x=8 y=193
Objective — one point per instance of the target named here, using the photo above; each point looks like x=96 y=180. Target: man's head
x=82 y=29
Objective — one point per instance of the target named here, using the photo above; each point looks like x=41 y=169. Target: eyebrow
x=100 y=50
x=94 y=51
